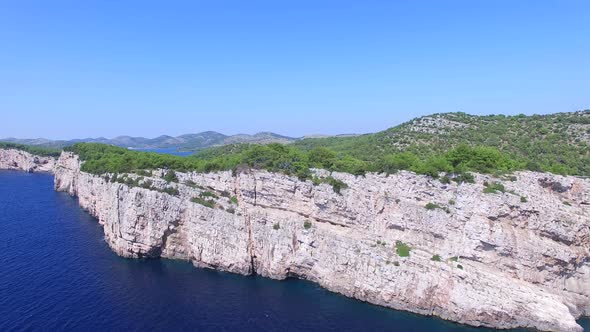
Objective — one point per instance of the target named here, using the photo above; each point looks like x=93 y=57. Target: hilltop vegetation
x=455 y=164
x=557 y=143
x=449 y=145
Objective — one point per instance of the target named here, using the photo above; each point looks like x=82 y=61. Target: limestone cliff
x=518 y=258
x=24 y=161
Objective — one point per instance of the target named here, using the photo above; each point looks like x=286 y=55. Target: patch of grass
x=402 y=249
x=432 y=206
x=170 y=191
x=307 y=224
x=234 y=200
x=436 y=258
x=494 y=187
x=454 y=259
x=225 y=193
x=205 y=202
x=208 y=194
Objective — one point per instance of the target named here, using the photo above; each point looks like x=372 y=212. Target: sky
x=74 y=69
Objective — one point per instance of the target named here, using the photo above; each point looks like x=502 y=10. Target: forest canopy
x=449 y=145
x=291 y=160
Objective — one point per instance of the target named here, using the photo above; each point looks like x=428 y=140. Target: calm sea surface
x=57 y=273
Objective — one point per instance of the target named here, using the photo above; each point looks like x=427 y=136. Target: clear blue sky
x=106 y=68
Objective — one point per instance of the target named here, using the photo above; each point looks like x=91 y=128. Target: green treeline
x=556 y=143
x=291 y=160
x=37 y=150
x=451 y=144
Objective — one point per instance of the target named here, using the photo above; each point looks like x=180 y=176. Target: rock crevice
x=495 y=265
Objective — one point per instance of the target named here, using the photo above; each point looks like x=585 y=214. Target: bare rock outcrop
x=23 y=161
x=518 y=258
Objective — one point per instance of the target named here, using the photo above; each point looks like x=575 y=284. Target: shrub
x=208 y=194
x=231 y=210
x=494 y=187
x=276 y=226
x=464 y=178
x=225 y=193
x=307 y=224
x=147 y=184
x=567 y=203
x=321 y=157
x=190 y=183
x=523 y=199
x=402 y=249
x=170 y=191
x=436 y=258
x=396 y=263
x=205 y=202
x=170 y=176
x=454 y=259
x=337 y=185
x=432 y=206
x=459 y=266
x=452 y=202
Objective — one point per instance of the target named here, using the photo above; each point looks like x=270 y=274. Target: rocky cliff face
x=24 y=161
x=519 y=258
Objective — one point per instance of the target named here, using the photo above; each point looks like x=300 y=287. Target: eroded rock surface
x=513 y=259
x=24 y=161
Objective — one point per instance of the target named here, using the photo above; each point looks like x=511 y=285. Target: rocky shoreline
x=519 y=257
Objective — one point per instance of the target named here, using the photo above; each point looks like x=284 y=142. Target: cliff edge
x=504 y=252
x=514 y=256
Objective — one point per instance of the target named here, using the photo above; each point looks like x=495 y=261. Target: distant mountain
x=187 y=142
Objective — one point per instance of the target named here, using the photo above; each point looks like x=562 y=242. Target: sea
x=58 y=274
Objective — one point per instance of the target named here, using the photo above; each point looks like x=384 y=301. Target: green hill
x=449 y=145
x=558 y=143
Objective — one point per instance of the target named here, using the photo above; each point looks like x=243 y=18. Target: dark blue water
x=57 y=273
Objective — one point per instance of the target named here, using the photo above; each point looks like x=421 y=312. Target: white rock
x=525 y=264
